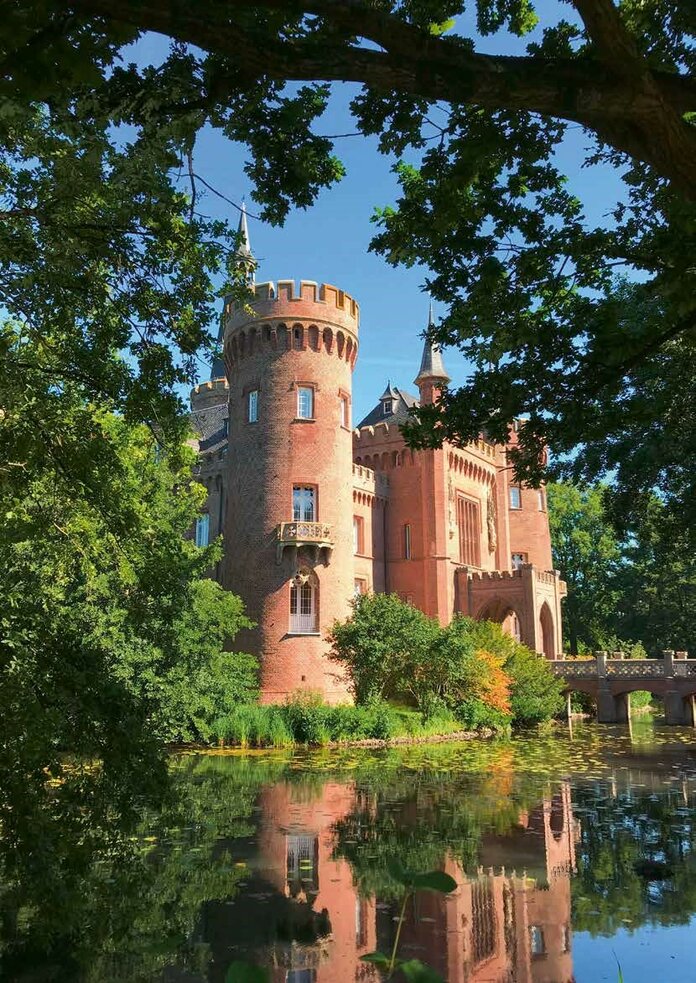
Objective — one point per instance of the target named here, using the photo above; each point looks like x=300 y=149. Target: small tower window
x=358 y=535
x=304 y=607
x=203 y=530
x=304 y=503
x=253 y=406
x=536 y=940
x=387 y=406
x=542 y=500
x=305 y=403
x=345 y=412
x=407 y=541
x=518 y=559
x=515 y=497
x=225 y=427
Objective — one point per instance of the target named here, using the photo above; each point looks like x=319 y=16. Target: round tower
x=289 y=358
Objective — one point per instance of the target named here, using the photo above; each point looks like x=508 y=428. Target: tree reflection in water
x=281 y=860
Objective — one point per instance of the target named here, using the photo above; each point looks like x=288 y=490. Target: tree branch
x=634 y=109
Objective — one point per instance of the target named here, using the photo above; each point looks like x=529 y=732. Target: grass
x=307 y=721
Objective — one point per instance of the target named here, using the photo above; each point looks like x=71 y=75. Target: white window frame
x=302 y=495
x=515 y=493
x=203 y=530
x=517 y=560
x=387 y=405
x=253 y=406
x=304 y=411
x=304 y=613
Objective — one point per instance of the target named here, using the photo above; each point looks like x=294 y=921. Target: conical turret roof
x=389 y=392
x=432 y=366
x=244 y=247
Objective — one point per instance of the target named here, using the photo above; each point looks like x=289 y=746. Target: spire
x=244 y=247
x=244 y=252
x=432 y=366
x=389 y=392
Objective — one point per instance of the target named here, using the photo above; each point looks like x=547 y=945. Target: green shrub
x=536 y=694
x=307 y=719
x=251 y=725
x=385 y=646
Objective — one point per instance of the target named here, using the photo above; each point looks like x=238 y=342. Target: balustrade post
x=601 y=658
x=668 y=656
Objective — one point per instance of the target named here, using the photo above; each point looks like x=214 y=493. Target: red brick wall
x=267 y=458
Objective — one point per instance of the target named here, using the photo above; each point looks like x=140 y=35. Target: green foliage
x=470 y=670
x=385 y=646
x=587 y=551
x=306 y=720
x=535 y=692
x=631 y=588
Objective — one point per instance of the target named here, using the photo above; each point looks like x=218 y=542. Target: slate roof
x=209 y=424
x=402 y=404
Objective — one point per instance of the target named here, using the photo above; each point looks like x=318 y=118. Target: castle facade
x=315 y=508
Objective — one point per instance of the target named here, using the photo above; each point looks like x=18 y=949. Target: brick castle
x=314 y=509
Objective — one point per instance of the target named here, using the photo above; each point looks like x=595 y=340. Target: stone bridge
x=611 y=681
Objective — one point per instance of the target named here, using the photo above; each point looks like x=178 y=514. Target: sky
x=329 y=241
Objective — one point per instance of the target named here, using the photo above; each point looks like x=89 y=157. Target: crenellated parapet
x=316 y=317
x=369 y=486
x=209 y=394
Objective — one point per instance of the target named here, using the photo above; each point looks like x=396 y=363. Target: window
x=386 y=407
x=303 y=609
x=516 y=627
x=565 y=938
x=359 y=587
x=483 y=921
x=203 y=530
x=358 y=534
x=301 y=976
x=536 y=940
x=302 y=859
x=407 y=542
x=253 y=406
x=469 y=519
x=515 y=497
x=542 y=500
x=225 y=427
x=518 y=559
x=345 y=413
x=305 y=403
x=304 y=503
x=360 y=922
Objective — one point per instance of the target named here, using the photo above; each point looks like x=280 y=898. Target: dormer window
x=387 y=406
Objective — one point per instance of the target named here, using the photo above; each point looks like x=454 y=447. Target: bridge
x=611 y=681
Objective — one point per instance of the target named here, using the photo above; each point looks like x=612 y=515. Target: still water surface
x=570 y=852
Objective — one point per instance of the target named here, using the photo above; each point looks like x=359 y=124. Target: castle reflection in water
x=301 y=915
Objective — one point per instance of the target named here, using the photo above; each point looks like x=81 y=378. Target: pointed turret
x=244 y=252
x=217 y=369
x=432 y=368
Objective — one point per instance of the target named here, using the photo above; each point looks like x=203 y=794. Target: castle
x=314 y=509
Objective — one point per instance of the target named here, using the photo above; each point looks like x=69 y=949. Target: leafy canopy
x=102 y=250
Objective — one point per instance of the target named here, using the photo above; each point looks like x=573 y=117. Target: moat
x=571 y=852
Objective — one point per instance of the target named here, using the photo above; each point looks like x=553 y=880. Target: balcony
x=317 y=535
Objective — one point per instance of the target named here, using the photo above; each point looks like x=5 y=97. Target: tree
x=101 y=608
x=658 y=600
x=588 y=553
x=384 y=647
x=600 y=369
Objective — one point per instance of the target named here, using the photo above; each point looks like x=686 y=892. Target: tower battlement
x=209 y=393
x=282 y=299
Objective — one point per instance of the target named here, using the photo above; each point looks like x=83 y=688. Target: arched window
x=304 y=604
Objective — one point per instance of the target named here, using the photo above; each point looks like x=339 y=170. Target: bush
x=253 y=726
x=307 y=719
x=385 y=646
x=536 y=694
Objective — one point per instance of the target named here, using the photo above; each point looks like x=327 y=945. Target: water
x=570 y=855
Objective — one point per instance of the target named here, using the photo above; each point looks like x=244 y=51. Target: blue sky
x=329 y=242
